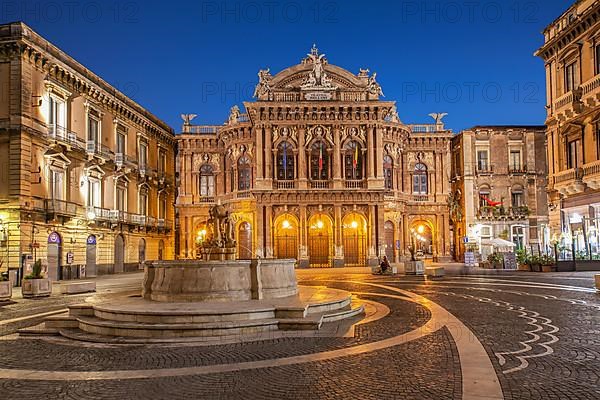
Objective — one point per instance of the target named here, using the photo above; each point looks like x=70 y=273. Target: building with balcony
x=571 y=52
x=499 y=188
x=319 y=168
x=86 y=174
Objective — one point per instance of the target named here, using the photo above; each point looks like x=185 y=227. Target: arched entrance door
x=286 y=237
x=320 y=241
x=142 y=252
x=119 y=254
x=245 y=241
x=354 y=232
x=388 y=232
x=90 y=256
x=54 y=256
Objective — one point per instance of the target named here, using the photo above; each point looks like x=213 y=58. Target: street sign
x=70 y=258
x=466 y=239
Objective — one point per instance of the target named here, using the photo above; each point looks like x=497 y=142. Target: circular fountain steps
x=136 y=320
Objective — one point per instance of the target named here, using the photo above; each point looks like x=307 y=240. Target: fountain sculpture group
x=208 y=300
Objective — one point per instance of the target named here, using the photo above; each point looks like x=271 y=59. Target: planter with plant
x=548 y=264
x=523 y=260
x=535 y=264
x=5 y=285
x=496 y=260
x=35 y=284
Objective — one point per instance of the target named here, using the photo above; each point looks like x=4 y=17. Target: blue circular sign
x=91 y=239
x=54 y=238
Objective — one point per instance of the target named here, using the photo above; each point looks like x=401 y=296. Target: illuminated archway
x=320 y=241
x=286 y=236
x=421 y=237
x=354 y=233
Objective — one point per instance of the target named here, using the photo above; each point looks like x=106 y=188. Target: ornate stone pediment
x=315 y=79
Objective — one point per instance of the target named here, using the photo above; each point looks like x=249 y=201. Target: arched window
x=353 y=161
x=517 y=197
x=420 y=179
x=388 y=172
x=319 y=161
x=244 y=173
x=207 y=181
x=285 y=162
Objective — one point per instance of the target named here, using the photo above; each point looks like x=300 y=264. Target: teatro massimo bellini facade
x=319 y=169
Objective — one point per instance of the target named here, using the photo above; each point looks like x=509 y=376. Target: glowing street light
x=285 y=224
x=320 y=224
x=354 y=224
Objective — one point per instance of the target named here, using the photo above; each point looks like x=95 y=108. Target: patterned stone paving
x=543 y=343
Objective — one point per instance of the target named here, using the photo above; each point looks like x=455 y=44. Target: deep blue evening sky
x=472 y=59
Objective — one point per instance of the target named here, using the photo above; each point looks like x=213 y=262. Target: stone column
x=259 y=156
x=302 y=182
x=377 y=131
x=260 y=243
x=370 y=152
x=267 y=233
x=372 y=253
x=188 y=176
x=338 y=257
x=303 y=239
x=337 y=170
x=268 y=157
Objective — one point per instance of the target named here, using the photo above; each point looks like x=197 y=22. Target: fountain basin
x=229 y=280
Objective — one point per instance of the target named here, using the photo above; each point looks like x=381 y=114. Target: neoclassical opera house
x=319 y=169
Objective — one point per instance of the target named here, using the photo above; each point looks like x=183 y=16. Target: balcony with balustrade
x=355 y=184
x=568 y=105
x=285 y=184
x=60 y=208
x=591 y=175
x=315 y=184
x=568 y=182
x=590 y=92
x=500 y=213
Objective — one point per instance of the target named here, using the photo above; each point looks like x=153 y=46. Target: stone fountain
x=214 y=299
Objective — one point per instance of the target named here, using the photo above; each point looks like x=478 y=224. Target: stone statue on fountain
x=220 y=244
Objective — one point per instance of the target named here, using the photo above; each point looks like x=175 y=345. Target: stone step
x=61 y=321
x=38 y=330
x=324 y=306
x=179 y=317
x=351 y=311
x=81 y=309
x=150 y=330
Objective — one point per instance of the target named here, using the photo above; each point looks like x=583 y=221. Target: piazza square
x=321 y=216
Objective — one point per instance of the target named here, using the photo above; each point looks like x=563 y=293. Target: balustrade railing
x=320 y=184
x=285 y=184
x=355 y=184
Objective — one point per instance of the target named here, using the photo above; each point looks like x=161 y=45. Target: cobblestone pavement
x=540 y=331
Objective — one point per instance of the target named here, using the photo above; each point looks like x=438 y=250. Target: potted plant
x=35 y=285
x=523 y=260
x=535 y=263
x=548 y=264
x=496 y=260
x=5 y=285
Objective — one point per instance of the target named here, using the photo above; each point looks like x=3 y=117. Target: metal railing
x=61 y=207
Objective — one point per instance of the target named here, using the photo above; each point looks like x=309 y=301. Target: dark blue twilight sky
x=472 y=59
